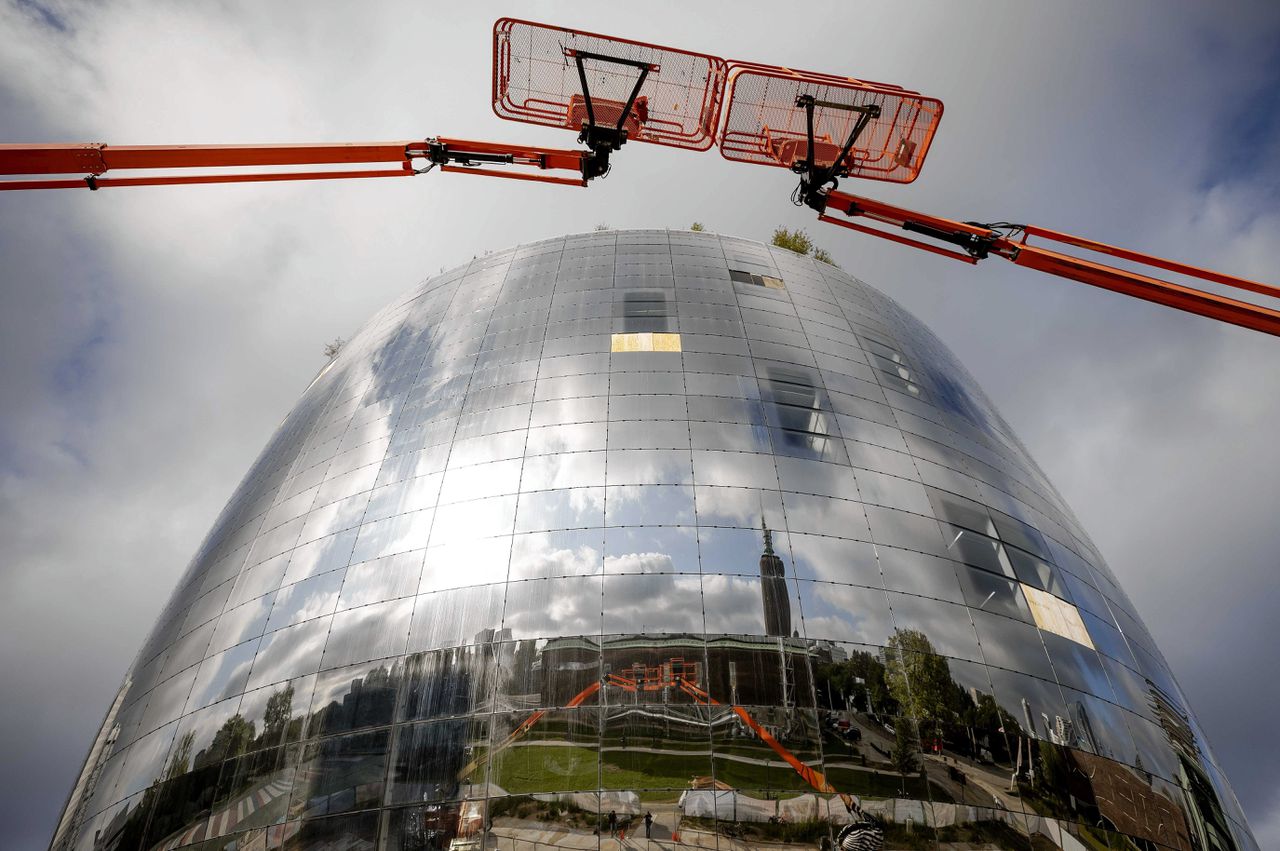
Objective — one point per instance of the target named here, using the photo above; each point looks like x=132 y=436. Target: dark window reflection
x=645 y=310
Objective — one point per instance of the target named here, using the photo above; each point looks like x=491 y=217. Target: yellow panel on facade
x=632 y=343
x=1057 y=616
x=771 y=282
x=666 y=342
x=645 y=342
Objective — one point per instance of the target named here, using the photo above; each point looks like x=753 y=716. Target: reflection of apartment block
x=1028 y=718
x=1127 y=801
x=1082 y=730
x=1174 y=722
x=1063 y=731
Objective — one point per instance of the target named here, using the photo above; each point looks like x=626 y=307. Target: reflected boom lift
x=610 y=91
x=681 y=674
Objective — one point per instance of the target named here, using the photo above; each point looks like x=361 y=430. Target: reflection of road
x=512 y=834
x=992 y=784
x=516 y=834
x=239 y=813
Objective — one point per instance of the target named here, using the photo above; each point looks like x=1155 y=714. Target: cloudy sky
x=153 y=338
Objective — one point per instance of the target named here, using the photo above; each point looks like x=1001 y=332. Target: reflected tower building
x=499 y=574
x=773 y=589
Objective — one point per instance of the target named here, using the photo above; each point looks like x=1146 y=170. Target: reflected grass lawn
x=534 y=768
x=661 y=777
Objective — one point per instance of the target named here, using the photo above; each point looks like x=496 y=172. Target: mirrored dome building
x=641 y=538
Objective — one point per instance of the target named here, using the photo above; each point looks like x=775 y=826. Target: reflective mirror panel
x=647 y=537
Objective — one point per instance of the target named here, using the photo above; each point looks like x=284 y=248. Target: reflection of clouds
x=737 y=551
x=305 y=600
x=373 y=422
x=488 y=447
x=288 y=509
x=347 y=484
x=258 y=580
x=678 y=543
x=288 y=653
x=241 y=623
x=476 y=562
x=408 y=495
x=555 y=412
x=563 y=470
x=835 y=560
x=275 y=541
x=370 y=632
x=1012 y=644
x=734 y=604
x=723 y=506
x=467 y=521
x=573 y=508
x=452 y=618
x=481 y=480
x=546 y=608
x=653 y=603
x=558 y=563
x=567 y=386
x=145 y=760
x=648 y=467
x=584 y=500
x=845 y=613
x=1077 y=666
x=564 y=438
x=361 y=456
x=167 y=699
x=739 y=469
x=826 y=516
x=639 y=563
x=320 y=556
x=382 y=579
x=222 y=675
x=412 y=464
x=541 y=555
x=630 y=505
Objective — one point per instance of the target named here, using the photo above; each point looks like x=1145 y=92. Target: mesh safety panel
x=536 y=79
x=764 y=125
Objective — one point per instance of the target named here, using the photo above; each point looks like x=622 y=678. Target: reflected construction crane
x=681 y=674
x=822 y=127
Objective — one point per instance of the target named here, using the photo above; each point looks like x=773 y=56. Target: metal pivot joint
x=816 y=179
x=605 y=138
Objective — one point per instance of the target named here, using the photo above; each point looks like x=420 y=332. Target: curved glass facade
x=647 y=537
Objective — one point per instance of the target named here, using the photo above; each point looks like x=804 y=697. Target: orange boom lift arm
x=399 y=159
x=808 y=773
x=1010 y=241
